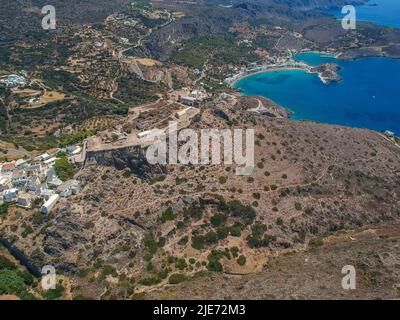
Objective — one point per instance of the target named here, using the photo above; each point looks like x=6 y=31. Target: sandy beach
x=272 y=69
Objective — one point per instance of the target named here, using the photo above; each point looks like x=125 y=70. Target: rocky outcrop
x=21 y=257
x=65 y=232
x=328 y=72
x=131 y=157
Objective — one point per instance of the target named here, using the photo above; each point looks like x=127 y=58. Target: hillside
x=195 y=219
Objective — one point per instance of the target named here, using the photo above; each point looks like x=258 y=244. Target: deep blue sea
x=368 y=97
x=382 y=12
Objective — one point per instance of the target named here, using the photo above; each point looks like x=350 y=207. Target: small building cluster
x=13 y=80
x=192 y=98
x=23 y=182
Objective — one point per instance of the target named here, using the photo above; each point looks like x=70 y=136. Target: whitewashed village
x=29 y=182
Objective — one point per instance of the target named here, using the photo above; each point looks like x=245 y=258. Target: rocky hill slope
x=310 y=181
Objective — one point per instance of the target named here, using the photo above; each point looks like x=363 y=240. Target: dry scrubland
x=314 y=187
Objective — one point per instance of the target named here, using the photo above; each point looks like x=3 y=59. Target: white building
x=5 y=183
x=33 y=184
x=37 y=170
x=10 y=195
x=68 y=188
x=24 y=201
x=149 y=133
x=189 y=101
x=44 y=192
x=52 y=179
x=21 y=163
x=50 y=161
x=49 y=204
x=19 y=178
x=73 y=150
x=389 y=133
x=181 y=113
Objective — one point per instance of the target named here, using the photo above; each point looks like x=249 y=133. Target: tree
x=217 y=220
x=241 y=260
x=3 y=210
x=54 y=294
x=198 y=242
x=10 y=282
x=215 y=266
x=176 y=278
x=167 y=215
x=211 y=237
x=64 y=169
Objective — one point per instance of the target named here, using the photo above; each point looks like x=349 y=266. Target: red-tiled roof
x=8 y=166
x=52 y=150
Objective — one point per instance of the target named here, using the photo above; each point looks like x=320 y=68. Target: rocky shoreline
x=327 y=72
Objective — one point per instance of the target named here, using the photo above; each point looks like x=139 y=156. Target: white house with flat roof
x=49 y=204
x=148 y=133
x=10 y=195
x=19 y=178
x=189 y=101
x=5 y=183
x=24 y=200
x=68 y=188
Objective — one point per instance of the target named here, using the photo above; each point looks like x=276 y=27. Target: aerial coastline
x=326 y=73
x=363 y=96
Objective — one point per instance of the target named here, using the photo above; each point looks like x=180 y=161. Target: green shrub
x=54 y=294
x=222 y=179
x=234 y=251
x=3 y=210
x=214 y=266
x=64 y=169
x=150 y=244
x=315 y=243
x=181 y=264
x=150 y=281
x=198 y=242
x=184 y=240
x=176 y=278
x=167 y=215
x=241 y=260
x=217 y=220
x=236 y=231
x=211 y=237
x=222 y=232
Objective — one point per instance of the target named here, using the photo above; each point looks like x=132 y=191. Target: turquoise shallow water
x=382 y=12
x=368 y=97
